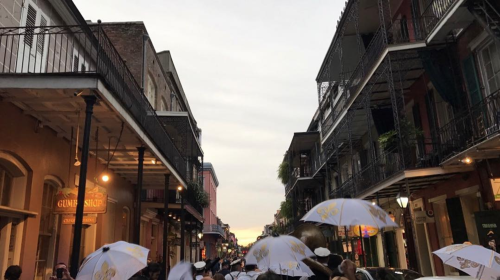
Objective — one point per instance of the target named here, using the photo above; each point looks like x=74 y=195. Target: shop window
x=47 y=233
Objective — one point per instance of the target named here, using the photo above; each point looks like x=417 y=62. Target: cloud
x=248 y=69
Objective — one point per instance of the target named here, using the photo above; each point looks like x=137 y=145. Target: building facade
x=76 y=94
x=408 y=101
x=212 y=230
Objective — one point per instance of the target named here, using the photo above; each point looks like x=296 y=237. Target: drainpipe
x=137 y=220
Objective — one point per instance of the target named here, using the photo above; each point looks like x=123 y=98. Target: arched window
x=45 y=253
x=125 y=223
x=151 y=92
x=5 y=186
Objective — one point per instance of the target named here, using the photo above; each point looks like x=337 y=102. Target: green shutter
x=471 y=80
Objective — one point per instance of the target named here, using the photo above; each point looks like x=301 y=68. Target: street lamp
x=402 y=200
x=200 y=235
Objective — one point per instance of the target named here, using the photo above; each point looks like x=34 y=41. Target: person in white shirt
x=200 y=270
x=250 y=273
x=235 y=270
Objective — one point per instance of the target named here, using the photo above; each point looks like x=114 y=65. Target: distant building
x=212 y=230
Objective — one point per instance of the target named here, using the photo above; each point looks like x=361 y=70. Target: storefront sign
x=95 y=200
x=87 y=220
x=495 y=185
x=342 y=232
x=424 y=217
x=366 y=231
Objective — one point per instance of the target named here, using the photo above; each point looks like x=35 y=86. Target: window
x=110 y=220
x=163 y=105
x=172 y=101
x=125 y=223
x=151 y=92
x=490 y=64
x=5 y=186
x=47 y=236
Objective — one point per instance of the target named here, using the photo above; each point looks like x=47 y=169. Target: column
x=183 y=227
x=380 y=250
x=77 y=237
x=137 y=212
x=401 y=248
x=166 y=258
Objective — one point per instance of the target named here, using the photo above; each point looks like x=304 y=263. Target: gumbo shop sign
x=66 y=200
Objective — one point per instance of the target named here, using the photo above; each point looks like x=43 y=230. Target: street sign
x=96 y=200
x=87 y=220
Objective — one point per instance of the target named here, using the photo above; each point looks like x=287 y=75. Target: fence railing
x=472 y=126
x=434 y=11
x=213 y=229
x=44 y=50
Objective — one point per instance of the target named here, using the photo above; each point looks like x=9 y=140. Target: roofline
x=341 y=22
x=179 y=84
x=209 y=167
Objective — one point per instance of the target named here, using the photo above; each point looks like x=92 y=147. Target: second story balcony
x=45 y=69
x=213 y=229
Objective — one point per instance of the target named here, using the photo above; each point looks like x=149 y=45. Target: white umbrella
x=275 y=250
x=349 y=212
x=120 y=260
x=292 y=268
x=477 y=261
x=181 y=271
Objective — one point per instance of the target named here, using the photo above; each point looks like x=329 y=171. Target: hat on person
x=200 y=266
x=226 y=262
x=236 y=262
x=322 y=252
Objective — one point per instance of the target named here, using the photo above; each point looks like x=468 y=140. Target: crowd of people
x=224 y=269
x=236 y=269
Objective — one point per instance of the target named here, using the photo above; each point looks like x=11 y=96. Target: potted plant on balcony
x=389 y=141
x=284 y=172
x=198 y=195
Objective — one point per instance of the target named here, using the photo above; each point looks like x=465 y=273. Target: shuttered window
x=30 y=26
x=40 y=42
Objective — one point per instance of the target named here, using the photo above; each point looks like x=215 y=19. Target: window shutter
x=30 y=26
x=40 y=42
x=471 y=80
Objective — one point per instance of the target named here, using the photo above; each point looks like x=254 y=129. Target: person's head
x=219 y=276
x=154 y=270
x=269 y=276
x=13 y=272
x=250 y=267
x=236 y=265
x=200 y=268
x=61 y=266
x=225 y=264
x=322 y=254
x=381 y=273
x=335 y=260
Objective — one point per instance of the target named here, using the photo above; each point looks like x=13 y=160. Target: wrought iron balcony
x=78 y=51
x=400 y=32
x=213 y=229
x=471 y=127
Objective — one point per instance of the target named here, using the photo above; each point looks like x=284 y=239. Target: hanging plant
x=389 y=140
x=284 y=172
x=196 y=194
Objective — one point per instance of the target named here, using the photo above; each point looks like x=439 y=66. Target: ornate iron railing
x=471 y=127
x=434 y=12
x=399 y=32
x=84 y=50
x=213 y=229
x=416 y=154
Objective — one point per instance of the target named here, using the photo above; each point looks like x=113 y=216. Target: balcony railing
x=157 y=196
x=399 y=32
x=471 y=127
x=84 y=50
x=434 y=11
x=417 y=154
x=213 y=229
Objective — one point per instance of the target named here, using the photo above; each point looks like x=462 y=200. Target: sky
x=248 y=69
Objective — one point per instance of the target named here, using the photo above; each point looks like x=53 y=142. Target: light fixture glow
x=153 y=161
x=179 y=188
x=467 y=160
x=373 y=203
x=200 y=235
x=105 y=178
x=402 y=200
x=170 y=214
x=179 y=219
